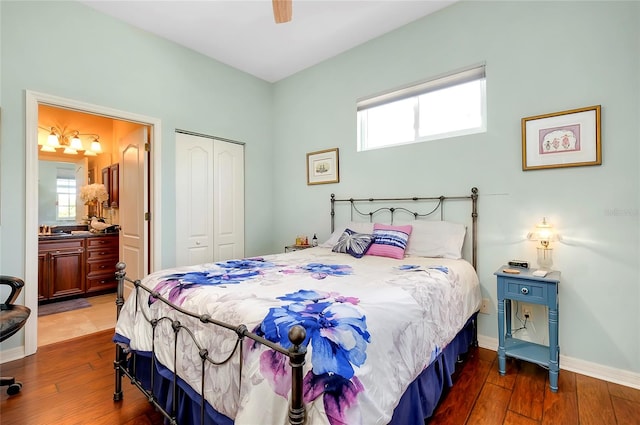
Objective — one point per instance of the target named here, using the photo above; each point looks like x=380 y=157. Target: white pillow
x=442 y=239
x=356 y=226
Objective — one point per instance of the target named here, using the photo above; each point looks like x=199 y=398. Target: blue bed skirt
x=417 y=403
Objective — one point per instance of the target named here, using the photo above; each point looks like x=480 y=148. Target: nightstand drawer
x=525 y=290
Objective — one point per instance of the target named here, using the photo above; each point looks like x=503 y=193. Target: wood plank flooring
x=71 y=382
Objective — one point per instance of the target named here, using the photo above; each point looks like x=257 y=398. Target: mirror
x=58 y=191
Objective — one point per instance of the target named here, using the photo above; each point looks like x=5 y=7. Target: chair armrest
x=16 y=286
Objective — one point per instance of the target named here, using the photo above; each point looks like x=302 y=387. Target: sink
x=55 y=235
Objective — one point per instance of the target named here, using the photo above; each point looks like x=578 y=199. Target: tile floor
x=62 y=326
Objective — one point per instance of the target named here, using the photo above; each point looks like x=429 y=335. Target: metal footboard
x=296 y=355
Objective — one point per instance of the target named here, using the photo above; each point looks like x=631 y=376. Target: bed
x=364 y=329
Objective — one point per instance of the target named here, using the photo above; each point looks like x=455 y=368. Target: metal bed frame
x=357 y=203
x=296 y=334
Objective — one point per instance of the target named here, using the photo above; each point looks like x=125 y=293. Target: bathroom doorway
x=148 y=188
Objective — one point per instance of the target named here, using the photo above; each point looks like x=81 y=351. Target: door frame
x=32 y=100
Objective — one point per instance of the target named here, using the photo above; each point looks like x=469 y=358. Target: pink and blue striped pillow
x=389 y=241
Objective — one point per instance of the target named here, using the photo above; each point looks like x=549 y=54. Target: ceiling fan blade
x=282 y=10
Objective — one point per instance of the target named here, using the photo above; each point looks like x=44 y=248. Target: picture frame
x=562 y=139
x=323 y=167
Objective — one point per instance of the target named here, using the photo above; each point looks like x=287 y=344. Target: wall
x=541 y=57
x=92 y=58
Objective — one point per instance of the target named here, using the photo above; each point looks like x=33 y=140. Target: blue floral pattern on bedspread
x=229 y=272
x=233 y=272
x=337 y=331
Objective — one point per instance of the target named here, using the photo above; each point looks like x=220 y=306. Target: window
x=448 y=106
x=66 y=198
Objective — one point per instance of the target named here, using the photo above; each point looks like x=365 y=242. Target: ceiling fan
x=282 y=10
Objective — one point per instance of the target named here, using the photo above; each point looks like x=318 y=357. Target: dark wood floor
x=72 y=383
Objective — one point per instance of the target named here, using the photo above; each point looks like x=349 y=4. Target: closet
x=209 y=199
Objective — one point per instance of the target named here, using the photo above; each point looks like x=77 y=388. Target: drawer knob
x=524 y=291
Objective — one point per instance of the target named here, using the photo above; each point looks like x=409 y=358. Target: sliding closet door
x=209 y=199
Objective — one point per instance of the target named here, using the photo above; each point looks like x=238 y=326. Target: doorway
x=150 y=189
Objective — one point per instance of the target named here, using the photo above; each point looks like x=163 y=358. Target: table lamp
x=544 y=233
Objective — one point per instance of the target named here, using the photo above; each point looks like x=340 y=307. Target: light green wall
x=540 y=57
x=67 y=49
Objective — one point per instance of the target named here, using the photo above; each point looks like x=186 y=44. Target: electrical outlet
x=527 y=310
x=484 y=308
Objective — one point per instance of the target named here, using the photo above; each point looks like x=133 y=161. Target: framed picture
x=322 y=167
x=562 y=139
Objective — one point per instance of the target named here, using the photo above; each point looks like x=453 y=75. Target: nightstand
x=291 y=248
x=526 y=288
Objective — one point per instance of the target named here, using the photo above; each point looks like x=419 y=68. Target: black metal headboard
x=432 y=205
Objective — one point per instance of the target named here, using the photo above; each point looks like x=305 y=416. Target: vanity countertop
x=74 y=234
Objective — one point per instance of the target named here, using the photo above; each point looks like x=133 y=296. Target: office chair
x=12 y=319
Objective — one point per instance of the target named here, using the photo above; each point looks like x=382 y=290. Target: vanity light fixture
x=59 y=138
x=76 y=143
x=545 y=233
x=52 y=139
x=95 y=145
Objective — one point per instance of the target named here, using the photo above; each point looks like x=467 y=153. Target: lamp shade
x=95 y=146
x=76 y=143
x=543 y=232
x=52 y=139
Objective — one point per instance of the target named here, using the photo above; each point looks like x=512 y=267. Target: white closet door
x=228 y=192
x=209 y=200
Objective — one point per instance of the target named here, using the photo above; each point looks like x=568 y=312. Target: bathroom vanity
x=76 y=264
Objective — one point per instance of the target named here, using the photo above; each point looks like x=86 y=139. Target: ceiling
x=244 y=35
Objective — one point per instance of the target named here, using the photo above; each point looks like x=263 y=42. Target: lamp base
x=545 y=260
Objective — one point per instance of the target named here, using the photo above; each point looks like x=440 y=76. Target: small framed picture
x=322 y=167
x=562 y=139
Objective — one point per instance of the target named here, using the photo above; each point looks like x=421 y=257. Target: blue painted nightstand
x=529 y=289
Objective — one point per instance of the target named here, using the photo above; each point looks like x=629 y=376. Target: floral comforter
x=373 y=324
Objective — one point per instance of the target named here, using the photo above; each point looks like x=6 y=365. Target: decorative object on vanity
x=98 y=225
x=323 y=167
x=562 y=139
x=545 y=233
x=70 y=141
x=93 y=195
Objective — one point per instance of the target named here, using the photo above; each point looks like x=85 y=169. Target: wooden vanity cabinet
x=110 y=180
x=61 y=268
x=102 y=257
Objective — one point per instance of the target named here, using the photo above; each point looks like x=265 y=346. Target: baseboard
x=583 y=367
x=11 y=354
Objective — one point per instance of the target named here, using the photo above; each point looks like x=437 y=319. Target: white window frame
x=413 y=91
